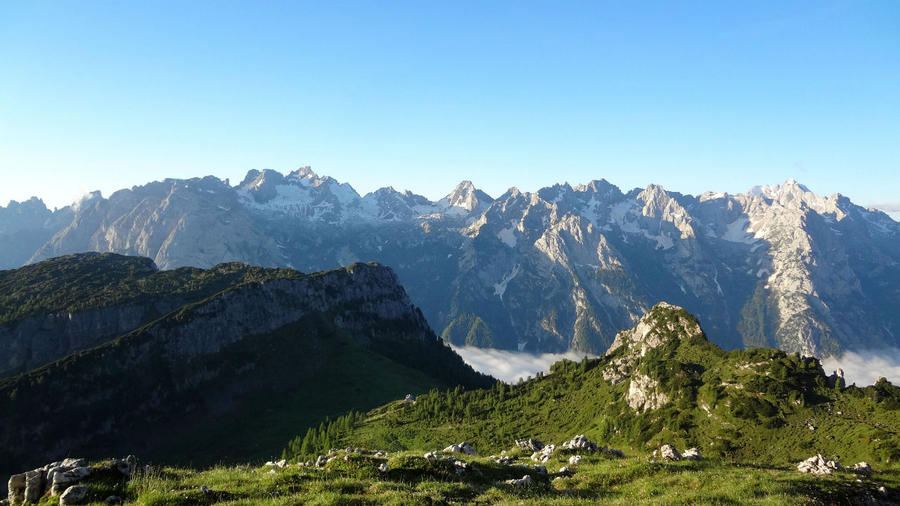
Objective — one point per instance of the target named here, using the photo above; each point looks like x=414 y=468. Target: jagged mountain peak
x=466 y=196
x=303 y=173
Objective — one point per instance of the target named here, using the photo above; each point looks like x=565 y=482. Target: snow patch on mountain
x=500 y=288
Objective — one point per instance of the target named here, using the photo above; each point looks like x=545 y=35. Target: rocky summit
x=778 y=266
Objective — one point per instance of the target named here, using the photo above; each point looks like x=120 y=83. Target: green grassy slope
x=745 y=405
x=411 y=479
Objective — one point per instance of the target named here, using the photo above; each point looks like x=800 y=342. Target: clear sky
x=420 y=95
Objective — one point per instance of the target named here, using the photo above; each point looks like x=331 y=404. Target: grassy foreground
x=354 y=478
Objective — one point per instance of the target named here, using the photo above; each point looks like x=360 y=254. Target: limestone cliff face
x=37 y=340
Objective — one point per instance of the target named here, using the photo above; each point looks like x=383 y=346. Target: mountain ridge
x=776 y=266
x=253 y=357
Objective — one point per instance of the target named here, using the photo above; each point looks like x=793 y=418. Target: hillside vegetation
x=757 y=405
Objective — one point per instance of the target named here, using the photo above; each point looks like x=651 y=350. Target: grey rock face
x=75 y=494
x=778 y=266
x=16 y=488
x=669 y=452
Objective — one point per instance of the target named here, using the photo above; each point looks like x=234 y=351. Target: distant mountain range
x=563 y=268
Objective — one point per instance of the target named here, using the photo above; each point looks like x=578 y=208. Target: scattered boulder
x=463 y=447
x=383 y=467
x=432 y=455
x=692 y=454
x=73 y=495
x=520 y=482
x=528 y=444
x=543 y=455
x=409 y=398
x=321 y=460
x=503 y=460
x=127 y=465
x=540 y=469
x=565 y=470
x=862 y=468
x=669 y=452
x=575 y=460
x=818 y=465
x=580 y=442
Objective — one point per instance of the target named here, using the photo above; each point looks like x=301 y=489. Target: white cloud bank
x=864 y=368
x=509 y=366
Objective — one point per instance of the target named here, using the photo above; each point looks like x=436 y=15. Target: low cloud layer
x=864 y=368
x=891 y=208
x=861 y=368
x=509 y=366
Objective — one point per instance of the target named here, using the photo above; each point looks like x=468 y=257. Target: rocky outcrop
x=62 y=479
x=34 y=341
x=644 y=395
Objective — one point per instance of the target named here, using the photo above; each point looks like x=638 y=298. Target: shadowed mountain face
x=560 y=269
x=172 y=363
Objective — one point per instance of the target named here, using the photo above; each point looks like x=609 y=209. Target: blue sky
x=420 y=95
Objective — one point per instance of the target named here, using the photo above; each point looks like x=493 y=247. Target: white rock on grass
x=818 y=465
x=73 y=495
x=862 y=468
x=669 y=452
x=692 y=454
x=575 y=459
x=519 y=482
x=529 y=444
x=543 y=455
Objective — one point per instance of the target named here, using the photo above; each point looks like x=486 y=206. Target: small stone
x=669 y=452
x=564 y=470
x=692 y=454
x=862 y=468
x=383 y=467
x=73 y=495
x=520 y=482
x=529 y=444
x=575 y=459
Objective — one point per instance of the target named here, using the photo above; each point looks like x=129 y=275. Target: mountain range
x=562 y=268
